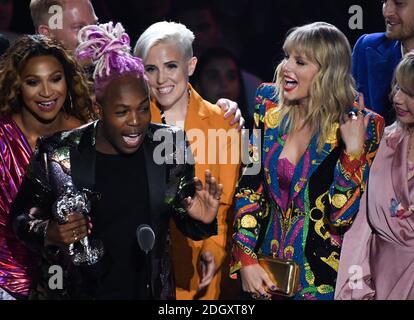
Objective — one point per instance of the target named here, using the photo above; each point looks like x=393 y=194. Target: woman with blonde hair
x=317 y=145
x=43 y=90
x=377 y=254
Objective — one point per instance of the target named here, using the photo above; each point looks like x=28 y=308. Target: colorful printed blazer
x=325 y=193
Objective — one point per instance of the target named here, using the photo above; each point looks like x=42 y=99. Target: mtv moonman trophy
x=85 y=251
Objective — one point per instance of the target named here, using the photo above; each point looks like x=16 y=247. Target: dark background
x=256 y=28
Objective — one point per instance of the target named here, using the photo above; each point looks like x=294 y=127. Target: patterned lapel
x=311 y=160
x=307 y=165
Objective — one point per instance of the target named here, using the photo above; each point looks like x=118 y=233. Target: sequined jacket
x=70 y=157
x=17 y=263
x=324 y=198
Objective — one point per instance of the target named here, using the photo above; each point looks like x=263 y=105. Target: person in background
x=199 y=17
x=75 y=15
x=218 y=74
x=375 y=56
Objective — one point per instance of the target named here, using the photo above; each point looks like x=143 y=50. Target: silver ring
x=352 y=115
x=75 y=234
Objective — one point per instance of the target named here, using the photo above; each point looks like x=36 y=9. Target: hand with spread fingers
x=353 y=129
x=255 y=281
x=77 y=227
x=205 y=203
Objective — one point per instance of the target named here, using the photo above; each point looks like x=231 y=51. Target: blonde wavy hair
x=404 y=79
x=78 y=102
x=332 y=89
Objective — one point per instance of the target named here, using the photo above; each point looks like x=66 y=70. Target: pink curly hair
x=108 y=47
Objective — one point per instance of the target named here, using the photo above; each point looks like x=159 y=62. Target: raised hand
x=204 y=205
x=353 y=129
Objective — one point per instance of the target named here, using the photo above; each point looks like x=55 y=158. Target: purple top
x=16 y=262
x=285 y=172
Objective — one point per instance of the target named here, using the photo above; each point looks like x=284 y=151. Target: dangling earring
x=71 y=103
x=70 y=107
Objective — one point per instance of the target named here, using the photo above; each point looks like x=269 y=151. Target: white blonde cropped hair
x=174 y=32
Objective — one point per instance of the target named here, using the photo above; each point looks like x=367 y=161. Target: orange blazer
x=201 y=123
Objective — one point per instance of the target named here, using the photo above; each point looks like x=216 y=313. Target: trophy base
x=88 y=256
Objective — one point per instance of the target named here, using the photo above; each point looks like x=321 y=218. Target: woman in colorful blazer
x=317 y=148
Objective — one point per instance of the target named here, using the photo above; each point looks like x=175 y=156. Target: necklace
x=163 y=121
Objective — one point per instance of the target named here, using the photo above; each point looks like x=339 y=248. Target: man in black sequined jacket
x=71 y=157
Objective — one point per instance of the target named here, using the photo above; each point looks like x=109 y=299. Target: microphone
x=146 y=240
x=145 y=237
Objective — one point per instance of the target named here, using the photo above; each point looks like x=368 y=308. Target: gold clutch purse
x=283 y=273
